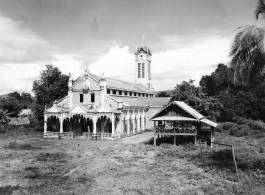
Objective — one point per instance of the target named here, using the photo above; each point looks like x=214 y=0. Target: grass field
x=32 y=165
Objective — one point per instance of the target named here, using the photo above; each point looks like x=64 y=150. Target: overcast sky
x=188 y=38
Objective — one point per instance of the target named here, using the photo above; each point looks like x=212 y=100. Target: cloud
x=20 y=44
x=117 y=62
x=170 y=67
x=19 y=76
x=185 y=60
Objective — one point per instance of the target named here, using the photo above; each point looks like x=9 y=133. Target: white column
x=133 y=122
x=70 y=99
x=45 y=124
x=112 y=124
x=128 y=123
x=94 y=124
x=138 y=122
x=61 y=123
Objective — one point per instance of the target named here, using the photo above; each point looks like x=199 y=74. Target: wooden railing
x=191 y=130
x=100 y=135
x=50 y=134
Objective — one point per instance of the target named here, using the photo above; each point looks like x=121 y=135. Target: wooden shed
x=178 y=119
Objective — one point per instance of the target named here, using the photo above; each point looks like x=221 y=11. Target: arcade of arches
x=106 y=124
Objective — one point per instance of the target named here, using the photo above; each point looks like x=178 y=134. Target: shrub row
x=246 y=159
x=243 y=127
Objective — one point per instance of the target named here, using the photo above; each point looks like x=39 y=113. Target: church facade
x=98 y=106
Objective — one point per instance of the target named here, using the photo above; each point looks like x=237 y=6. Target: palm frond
x=260 y=9
x=247 y=48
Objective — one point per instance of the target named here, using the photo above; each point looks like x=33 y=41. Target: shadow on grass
x=51 y=156
x=7 y=190
x=13 y=145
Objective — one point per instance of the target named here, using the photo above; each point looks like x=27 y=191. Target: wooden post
x=45 y=124
x=174 y=139
x=154 y=139
x=112 y=124
x=234 y=158
x=94 y=124
x=61 y=123
x=201 y=154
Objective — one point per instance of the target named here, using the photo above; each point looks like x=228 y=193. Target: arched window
x=92 y=97
x=139 y=70
x=143 y=70
x=81 y=98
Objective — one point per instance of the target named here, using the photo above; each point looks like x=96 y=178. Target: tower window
x=92 y=97
x=108 y=91
x=113 y=92
x=139 y=70
x=142 y=70
x=120 y=92
x=130 y=93
x=81 y=98
x=125 y=93
x=149 y=71
x=134 y=94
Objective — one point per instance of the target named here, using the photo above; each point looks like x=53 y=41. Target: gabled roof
x=131 y=101
x=183 y=106
x=157 y=101
x=124 y=85
x=195 y=115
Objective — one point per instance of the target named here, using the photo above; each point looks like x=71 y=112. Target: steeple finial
x=143 y=38
x=86 y=70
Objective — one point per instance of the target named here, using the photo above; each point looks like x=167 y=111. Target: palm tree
x=4 y=118
x=247 y=50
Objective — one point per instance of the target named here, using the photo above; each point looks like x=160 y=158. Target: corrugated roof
x=124 y=85
x=208 y=122
x=158 y=101
x=185 y=107
x=173 y=118
x=19 y=121
x=188 y=109
x=131 y=101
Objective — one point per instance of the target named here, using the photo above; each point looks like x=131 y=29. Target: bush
x=219 y=128
x=228 y=125
x=249 y=160
x=233 y=130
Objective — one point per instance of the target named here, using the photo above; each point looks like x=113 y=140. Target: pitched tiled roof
x=124 y=85
x=158 y=101
x=131 y=101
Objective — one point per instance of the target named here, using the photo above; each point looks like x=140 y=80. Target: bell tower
x=143 y=65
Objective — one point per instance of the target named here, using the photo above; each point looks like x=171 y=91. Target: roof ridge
x=124 y=81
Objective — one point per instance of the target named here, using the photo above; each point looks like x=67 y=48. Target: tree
x=26 y=100
x=4 y=118
x=218 y=81
x=11 y=105
x=15 y=95
x=162 y=94
x=247 y=50
x=194 y=97
x=51 y=86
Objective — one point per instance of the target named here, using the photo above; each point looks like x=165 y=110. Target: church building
x=102 y=107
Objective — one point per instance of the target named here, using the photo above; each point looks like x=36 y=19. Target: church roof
x=158 y=101
x=131 y=101
x=142 y=102
x=124 y=85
